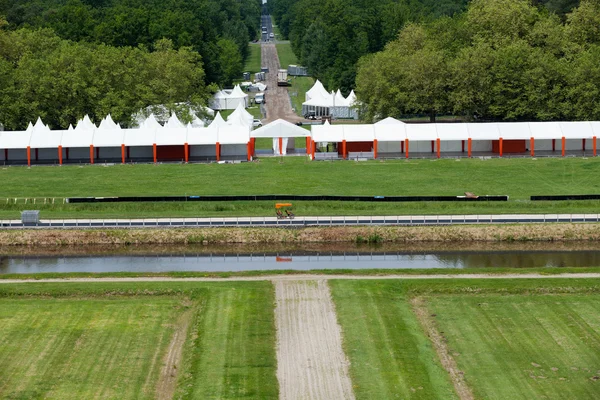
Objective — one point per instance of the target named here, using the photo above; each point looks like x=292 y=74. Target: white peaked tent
x=240 y=117
x=174 y=122
x=316 y=91
x=107 y=123
x=229 y=99
x=280 y=131
x=217 y=122
x=335 y=104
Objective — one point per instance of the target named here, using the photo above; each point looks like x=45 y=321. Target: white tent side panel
x=171 y=136
x=514 y=130
x=108 y=137
x=48 y=154
x=14 y=140
x=359 y=133
x=389 y=147
x=81 y=154
x=45 y=139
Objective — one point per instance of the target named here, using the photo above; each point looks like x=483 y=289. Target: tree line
x=217 y=29
x=61 y=81
x=330 y=36
x=62 y=59
x=500 y=60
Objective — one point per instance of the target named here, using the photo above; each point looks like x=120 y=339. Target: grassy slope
x=286 y=55
x=389 y=355
x=252 y=64
x=234 y=327
x=234 y=353
x=518 y=178
x=300 y=85
x=84 y=348
x=523 y=347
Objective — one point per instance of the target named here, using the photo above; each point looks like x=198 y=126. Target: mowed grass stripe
x=82 y=348
x=233 y=354
x=523 y=347
x=518 y=178
x=390 y=357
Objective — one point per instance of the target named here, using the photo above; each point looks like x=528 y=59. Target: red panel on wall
x=509 y=146
x=170 y=153
x=356 y=147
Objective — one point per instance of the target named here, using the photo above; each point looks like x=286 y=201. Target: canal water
x=244 y=258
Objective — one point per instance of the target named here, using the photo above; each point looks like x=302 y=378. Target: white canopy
x=240 y=117
x=231 y=134
x=421 y=132
x=42 y=137
x=280 y=128
x=14 y=139
x=317 y=90
x=139 y=137
x=174 y=122
x=202 y=136
x=229 y=99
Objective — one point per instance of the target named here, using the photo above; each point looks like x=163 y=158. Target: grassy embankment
x=110 y=340
x=511 y=338
x=300 y=84
x=252 y=64
x=518 y=178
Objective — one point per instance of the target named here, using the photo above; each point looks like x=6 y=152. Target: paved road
x=277 y=104
x=402 y=220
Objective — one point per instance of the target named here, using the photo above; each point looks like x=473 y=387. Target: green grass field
x=300 y=85
x=518 y=178
x=512 y=338
x=83 y=348
x=524 y=347
x=253 y=61
x=286 y=55
x=103 y=340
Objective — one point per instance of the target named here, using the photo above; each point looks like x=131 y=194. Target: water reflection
x=215 y=259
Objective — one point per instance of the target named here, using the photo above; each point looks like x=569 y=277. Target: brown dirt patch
x=165 y=388
x=441 y=348
x=311 y=363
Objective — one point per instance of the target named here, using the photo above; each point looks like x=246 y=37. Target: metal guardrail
x=407 y=220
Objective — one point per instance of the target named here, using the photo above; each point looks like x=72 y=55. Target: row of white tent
x=386 y=136
x=235 y=130
x=320 y=102
x=229 y=99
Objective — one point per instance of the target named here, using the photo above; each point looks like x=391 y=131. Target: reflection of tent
x=321 y=103
x=229 y=99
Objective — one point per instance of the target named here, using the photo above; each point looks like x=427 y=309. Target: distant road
x=278 y=103
x=257 y=222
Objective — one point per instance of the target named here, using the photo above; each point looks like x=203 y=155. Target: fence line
x=410 y=220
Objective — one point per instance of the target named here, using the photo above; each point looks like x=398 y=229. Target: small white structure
x=321 y=103
x=229 y=99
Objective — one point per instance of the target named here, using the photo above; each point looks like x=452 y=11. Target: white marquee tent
x=229 y=99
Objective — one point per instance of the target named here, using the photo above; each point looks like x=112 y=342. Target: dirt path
x=307 y=277
x=277 y=98
x=165 y=388
x=441 y=348
x=310 y=361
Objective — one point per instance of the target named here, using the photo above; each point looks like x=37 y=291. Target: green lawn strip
x=522 y=346
x=233 y=355
x=253 y=61
x=300 y=85
x=286 y=55
x=83 y=348
x=232 y=350
x=389 y=355
x=301 y=208
x=518 y=178
x=546 y=271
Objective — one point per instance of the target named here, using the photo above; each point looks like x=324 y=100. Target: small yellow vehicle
x=284 y=210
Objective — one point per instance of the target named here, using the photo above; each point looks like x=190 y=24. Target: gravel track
x=311 y=363
x=277 y=99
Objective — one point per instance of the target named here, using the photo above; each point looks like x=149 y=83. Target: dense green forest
x=330 y=36
x=500 y=60
x=62 y=59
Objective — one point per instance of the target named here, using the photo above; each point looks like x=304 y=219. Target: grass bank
x=286 y=55
x=300 y=85
x=511 y=338
x=479 y=233
x=518 y=178
x=103 y=340
x=253 y=62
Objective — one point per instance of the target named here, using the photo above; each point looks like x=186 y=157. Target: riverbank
x=290 y=236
